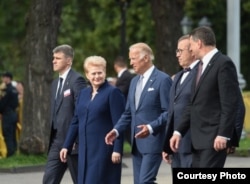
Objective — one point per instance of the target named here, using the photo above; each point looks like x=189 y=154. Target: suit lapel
x=206 y=72
x=147 y=86
x=65 y=87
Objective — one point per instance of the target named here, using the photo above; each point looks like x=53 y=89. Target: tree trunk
x=167 y=15
x=42 y=24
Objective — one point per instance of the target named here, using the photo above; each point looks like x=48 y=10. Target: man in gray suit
x=180 y=93
x=145 y=113
x=64 y=92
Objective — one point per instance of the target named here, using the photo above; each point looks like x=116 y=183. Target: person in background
x=180 y=94
x=211 y=112
x=124 y=77
x=145 y=114
x=8 y=106
x=97 y=110
x=64 y=93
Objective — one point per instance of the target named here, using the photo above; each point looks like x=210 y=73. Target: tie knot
x=186 y=69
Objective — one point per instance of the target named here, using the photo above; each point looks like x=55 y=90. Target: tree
x=42 y=25
x=167 y=15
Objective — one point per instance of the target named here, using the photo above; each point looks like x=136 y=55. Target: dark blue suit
x=92 y=121
x=152 y=110
x=180 y=95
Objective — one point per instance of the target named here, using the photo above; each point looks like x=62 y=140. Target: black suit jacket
x=123 y=82
x=212 y=109
x=64 y=111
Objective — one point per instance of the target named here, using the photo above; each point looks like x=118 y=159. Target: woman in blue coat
x=98 y=109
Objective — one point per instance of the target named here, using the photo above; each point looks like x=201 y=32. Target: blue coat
x=152 y=109
x=93 y=119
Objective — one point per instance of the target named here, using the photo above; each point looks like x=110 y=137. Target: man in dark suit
x=124 y=77
x=145 y=113
x=8 y=110
x=64 y=92
x=180 y=93
x=211 y=113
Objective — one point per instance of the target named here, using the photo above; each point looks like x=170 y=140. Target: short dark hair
x=120 y=61
x=7 y=74
x=205 y=34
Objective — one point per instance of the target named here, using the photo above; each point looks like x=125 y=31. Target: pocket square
x=66 y=93
x=151 y=89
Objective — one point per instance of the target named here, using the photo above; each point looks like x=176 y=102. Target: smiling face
x=95 y=70
x=96 y=75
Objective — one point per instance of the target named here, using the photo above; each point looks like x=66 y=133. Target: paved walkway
x=164 y=175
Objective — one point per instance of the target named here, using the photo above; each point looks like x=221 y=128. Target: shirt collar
x=192 y=65
x=121 y=72
x=65 y=74
x=208 y=57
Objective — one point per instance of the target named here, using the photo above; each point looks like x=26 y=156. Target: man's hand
x=220 y=143
x=143 y=133
x=175 y=142
x=110 y=137
x=166 y=157
x=63 y=155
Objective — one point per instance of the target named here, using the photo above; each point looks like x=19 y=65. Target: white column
x=233 y=36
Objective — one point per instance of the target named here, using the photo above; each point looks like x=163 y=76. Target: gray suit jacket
x=64 y=110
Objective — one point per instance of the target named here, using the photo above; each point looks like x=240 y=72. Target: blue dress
x=93 y=119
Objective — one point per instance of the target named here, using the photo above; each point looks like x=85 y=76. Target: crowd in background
x=11 y=107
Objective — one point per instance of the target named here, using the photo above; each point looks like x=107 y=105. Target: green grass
x=244 y=147
x=22 y=160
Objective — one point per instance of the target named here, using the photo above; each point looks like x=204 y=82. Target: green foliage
x=20 y=160
x=12 y=34
x=244 y=147
x=216 y=12
x=94 y=28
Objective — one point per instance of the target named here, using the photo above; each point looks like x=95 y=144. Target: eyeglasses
x=179 y=51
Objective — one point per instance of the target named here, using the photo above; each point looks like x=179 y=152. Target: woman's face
x=96 y=75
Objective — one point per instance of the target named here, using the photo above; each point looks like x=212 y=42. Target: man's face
x=194 y=47
x=183 y=53
x=60 y=62
x=137 y=61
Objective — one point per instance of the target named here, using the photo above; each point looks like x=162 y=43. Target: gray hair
x=144 y=50
x=67 y=50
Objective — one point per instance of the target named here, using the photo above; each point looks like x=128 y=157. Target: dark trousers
x=9 y=123
x=209 y=158
x=55 y=169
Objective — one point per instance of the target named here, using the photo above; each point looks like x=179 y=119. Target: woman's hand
x=116 y=158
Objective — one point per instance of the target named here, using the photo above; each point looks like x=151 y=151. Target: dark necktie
x=138 y=91
x=186 y=70
x=56 y=102
x=199 y=72
x=59 y=88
